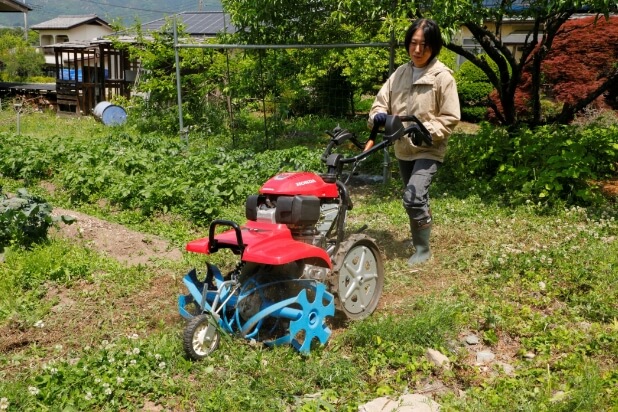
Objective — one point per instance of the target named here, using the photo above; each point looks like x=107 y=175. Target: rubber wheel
x=359 y=277
x=201 y=337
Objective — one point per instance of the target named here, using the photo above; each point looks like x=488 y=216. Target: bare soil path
x=115 y=240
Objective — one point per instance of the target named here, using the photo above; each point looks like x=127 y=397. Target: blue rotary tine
x=312 y=321
x=309 y=319
x=212 y=301
x=279 y=310
x=306 y=318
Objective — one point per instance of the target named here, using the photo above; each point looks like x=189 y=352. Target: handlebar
x=393 y=130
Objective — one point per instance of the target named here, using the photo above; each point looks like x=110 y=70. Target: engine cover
x=299 y=183
x=291 y=210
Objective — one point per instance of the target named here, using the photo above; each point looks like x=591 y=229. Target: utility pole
x=200 y=5
x=25 y=23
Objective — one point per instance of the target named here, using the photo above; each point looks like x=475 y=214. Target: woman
x=423 y=87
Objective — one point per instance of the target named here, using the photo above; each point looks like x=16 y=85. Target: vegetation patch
x=531 y=277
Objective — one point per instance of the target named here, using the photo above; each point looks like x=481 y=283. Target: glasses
x=414 y=45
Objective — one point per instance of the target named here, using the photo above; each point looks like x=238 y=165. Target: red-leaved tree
x=581 y=69
x=582 y=60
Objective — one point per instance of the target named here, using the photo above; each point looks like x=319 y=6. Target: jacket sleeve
x=381 y=103
x=447 y=104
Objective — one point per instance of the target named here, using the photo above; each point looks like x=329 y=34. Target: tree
x=18 y=58
x=548 y=18
x=317 y=22
x=584 y=67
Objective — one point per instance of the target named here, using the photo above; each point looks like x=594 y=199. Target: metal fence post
x=183 y=132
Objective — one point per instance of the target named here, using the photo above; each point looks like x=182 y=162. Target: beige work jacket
x=432 y=98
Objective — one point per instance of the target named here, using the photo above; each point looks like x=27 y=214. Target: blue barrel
x=109 y=114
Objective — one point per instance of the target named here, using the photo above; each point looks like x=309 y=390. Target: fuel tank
x=299 y=183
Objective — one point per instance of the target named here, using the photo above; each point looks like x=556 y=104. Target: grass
x=537 y=285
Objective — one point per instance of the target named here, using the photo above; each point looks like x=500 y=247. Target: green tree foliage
x=354 y=71
x=308 y=22
x=202 y=75
x=18 y=59
x=291 y=21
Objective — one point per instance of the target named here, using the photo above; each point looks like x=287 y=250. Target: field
x=521 y=299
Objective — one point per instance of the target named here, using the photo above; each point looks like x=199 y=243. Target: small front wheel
x=201 y=336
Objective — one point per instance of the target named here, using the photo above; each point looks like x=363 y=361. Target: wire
x=126 y=7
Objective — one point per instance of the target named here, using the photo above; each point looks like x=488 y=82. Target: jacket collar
x=432 y=69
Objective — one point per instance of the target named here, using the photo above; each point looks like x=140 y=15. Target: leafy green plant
x=549 y=164
x=25 y=219
x=473 y=88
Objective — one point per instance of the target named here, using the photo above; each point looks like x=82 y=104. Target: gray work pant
x=417 y=176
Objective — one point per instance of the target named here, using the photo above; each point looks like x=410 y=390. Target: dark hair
x=431 y=32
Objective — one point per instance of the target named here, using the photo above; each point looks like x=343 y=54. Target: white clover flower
x=54 y=371
x=133 y=336
x=97 y=380
x=119 y=380
x=107 y=391
x=133 y=362
x=33 y=390
x=88 y=396
x=162 y=365
x=104 y=342
x=58 y=347
x=136 y=351
x=111 y=359
x=157 y=356
x=39 y=324
x=4 y=404
x=105 y=385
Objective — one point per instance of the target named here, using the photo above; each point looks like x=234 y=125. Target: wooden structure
x=88 y=73
x=12 y=6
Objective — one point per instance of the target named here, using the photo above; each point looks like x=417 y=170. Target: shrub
x=25 y=219
x=550 y=164
x=473 y=88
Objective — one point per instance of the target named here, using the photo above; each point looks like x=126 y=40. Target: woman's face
x=419 y=52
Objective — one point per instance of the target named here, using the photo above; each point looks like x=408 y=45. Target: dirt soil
x=116 y=241
x=88 y=312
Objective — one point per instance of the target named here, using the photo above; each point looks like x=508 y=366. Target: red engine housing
x=299 y=183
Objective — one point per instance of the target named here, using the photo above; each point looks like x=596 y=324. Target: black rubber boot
x=420 y=240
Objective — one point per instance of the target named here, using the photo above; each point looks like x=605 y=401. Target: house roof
x=69 y=22
x=12 y=6
x=198 y=23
